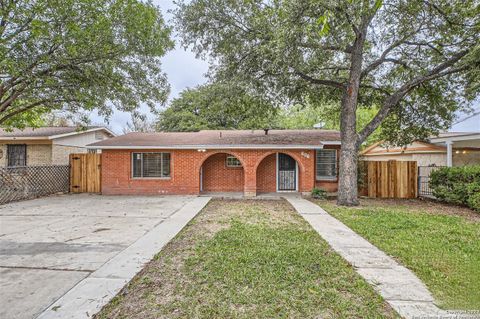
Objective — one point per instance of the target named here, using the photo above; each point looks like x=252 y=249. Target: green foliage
x=217 y=106
x=328 y=115
x=319 y=193
x=80 y=55
x=303 y=49
x=457 y=185
x=474 y=201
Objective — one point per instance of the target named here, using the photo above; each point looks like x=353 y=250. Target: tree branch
x=441 y=70
x=319 y=81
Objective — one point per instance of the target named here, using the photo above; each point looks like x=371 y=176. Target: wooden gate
x=392 y=179
x=85 y=173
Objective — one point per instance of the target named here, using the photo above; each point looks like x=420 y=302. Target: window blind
x=326 y=167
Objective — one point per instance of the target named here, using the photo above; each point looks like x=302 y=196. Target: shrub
x=319 y=193
x=457 y=185
x=474 y=202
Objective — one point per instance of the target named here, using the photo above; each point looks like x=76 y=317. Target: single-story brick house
x=46 y=146
x=248 y=161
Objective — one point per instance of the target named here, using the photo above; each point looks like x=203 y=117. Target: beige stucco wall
x=3 y=155
x=39 y=154
x=61 y=153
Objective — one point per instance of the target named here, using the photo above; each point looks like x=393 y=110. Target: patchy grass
x=247 y=259
x=440 y=243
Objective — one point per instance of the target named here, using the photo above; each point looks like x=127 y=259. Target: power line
x=466 y=118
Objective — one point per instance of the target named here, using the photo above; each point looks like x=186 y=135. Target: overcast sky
x=184 y=71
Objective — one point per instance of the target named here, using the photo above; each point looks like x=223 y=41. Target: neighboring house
x=446 y=149
x=46 y=145
x=248 y=161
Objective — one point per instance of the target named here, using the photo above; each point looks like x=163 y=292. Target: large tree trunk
x=347 y=186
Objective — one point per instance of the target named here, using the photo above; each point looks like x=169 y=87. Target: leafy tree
x=139 y=123
x=418 y=60
x=327 y=116
x=217 y=106
x=79 y=55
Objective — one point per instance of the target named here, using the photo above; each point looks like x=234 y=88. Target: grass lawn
x=247 y=259
x=440 y=243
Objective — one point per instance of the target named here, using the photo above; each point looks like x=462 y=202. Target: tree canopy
x=79 y=55
x=417 y=61
x=217 y=106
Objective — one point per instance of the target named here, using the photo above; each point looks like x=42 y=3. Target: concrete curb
x=396 y=284
x=92 y=293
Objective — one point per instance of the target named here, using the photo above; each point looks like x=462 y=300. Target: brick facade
x=257 y=175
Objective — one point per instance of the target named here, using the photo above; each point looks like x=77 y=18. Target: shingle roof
x=43 y=131
x=221 y=138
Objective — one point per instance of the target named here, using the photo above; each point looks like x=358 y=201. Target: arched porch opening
x=222 y=172
x=277 y=172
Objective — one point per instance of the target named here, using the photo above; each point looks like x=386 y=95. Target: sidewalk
x=396 y=284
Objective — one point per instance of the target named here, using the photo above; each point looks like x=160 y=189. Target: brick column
x=250 y=185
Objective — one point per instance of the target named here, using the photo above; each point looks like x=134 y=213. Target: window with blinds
x=326 y=164
x=151 y=165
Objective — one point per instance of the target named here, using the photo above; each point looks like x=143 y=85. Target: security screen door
x=287 y=173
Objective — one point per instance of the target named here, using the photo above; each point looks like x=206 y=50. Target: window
x=151 y=165
x=326 y=164
x=232 y=161
x=17 y=155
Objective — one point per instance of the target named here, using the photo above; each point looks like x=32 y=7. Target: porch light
x=202 y=150
x=457 y=152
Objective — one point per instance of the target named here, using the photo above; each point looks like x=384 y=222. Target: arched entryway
x=277 y=172
x=222 y=172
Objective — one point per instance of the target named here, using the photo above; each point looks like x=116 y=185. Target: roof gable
x=382 y=148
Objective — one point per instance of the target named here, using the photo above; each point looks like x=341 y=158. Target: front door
x=287 y=173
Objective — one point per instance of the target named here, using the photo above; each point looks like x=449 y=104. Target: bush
x=457 y=185
x=319 y=193
x=474 y=202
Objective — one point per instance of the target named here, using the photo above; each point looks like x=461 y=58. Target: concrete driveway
x=48 y=245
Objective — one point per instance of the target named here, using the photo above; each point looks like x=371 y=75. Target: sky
x=185 y=71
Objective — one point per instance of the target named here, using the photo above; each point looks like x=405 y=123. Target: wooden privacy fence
x=85 y=173
x=391 y=179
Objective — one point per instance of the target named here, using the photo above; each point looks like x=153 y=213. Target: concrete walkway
x=395 y=283
x=92 y=293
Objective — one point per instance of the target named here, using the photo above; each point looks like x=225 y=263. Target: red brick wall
x=217 y=177
x=185 y=171
x=267 y=175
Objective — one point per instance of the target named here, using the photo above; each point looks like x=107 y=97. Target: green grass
x=443 y=250
x=242 y=260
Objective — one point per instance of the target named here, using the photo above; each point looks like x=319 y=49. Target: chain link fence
x=18 y=183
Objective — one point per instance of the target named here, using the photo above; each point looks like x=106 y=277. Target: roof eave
x=195 y=147
x=23 y=138
x=82 y=132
